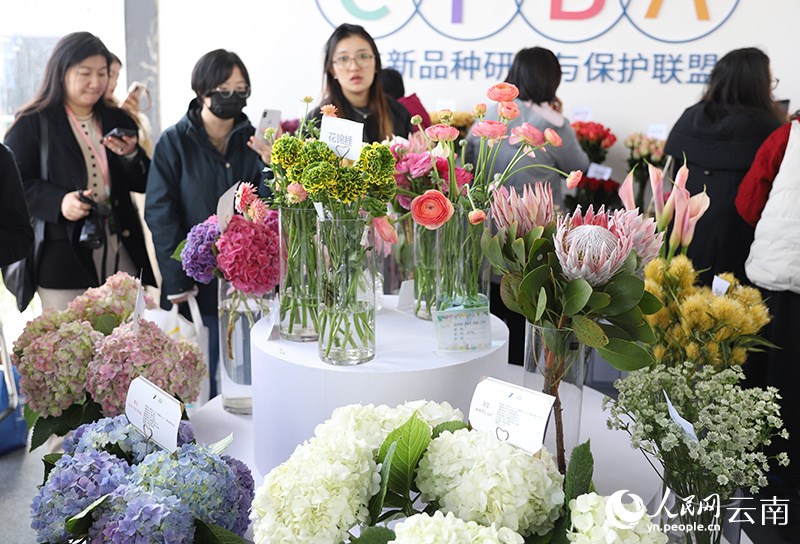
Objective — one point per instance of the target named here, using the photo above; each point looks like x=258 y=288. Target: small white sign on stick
x=582 y=113
x=598 y=171
x=226 y=206
x=156 y=414
x=343 y=136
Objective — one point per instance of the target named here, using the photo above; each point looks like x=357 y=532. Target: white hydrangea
x=448 y=529
x=591 y=524
x=479 y=478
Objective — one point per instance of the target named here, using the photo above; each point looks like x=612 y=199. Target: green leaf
x=625 y=355
x=106 y=324
x=209 y=533
x=599 y=300
x=376 y=502
x=539 y=254
x=509 y=288
x=649 y=303
x=626 y=291
x=576 y=296
x=218 y=447
x=492 y=248
x=451 y=426
x=374 y=535
x=413 y=438
x=177 y=253
x=629 y=321
x=520 y=255
x=541 y=304
x=530 y=293
x=70 y=419
x=79 y=523
x=588 y=332
x=31 y=416
x=578 y=479
x=645 y=334
x=50 y=460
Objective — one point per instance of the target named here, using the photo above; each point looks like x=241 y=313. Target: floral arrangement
x=389 y=462
x=76 y=364
x=113 y=485
x=594 y=139
x=462 y=120
x=643 y=151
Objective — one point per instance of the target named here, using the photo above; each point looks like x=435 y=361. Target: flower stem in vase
x=553 y=368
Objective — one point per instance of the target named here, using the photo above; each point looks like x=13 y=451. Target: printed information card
x=459 y=329
x=154 y=413
x=343 y=136
x=510 y=412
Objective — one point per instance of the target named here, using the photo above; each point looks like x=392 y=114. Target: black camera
x=93 y=231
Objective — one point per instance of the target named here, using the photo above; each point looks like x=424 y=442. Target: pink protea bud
x=477 y=217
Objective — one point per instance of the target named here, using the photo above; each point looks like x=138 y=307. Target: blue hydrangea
x=131 y=515
x=75 y=482
x=240 y=497
x=197 y=255
x=104 y=433
x=198 y=477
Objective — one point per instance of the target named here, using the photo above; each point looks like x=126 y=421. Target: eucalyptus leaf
x=509 y=289
x=588 y=331
x=520 y=255
x=599 y=300
x=629 y=321
x=576 y=296
x=649 y=303
x=625 y=355
x=625 y=291
x=541 y=304
x=492 y=248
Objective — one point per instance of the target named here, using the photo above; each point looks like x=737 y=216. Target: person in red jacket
x=393 y=86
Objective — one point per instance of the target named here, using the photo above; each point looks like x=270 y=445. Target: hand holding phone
x=269 y=119
x=119 y=133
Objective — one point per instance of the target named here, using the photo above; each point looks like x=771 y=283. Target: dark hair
x=69 y=51
x=740 y=82
x=215 y=68
x=537 y=73
x=333 y=90
x=392 y=82
x=114 y=59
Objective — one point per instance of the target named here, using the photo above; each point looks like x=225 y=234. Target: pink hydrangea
x=176 y=366
x=248 y=256
x=117 y=297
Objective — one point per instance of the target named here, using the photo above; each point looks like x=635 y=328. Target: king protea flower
x=590 y=247
x=533 y=209
x=645 y=240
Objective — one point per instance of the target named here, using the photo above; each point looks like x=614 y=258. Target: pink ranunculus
x=626 y=192
x=416 y=120
x=403 y=165
x=476 y=217
x=421 y=166
x=431 y=209
x=442 y=133
x=508 y=110
x=385 y=229
x=574 y=179
x=698 y=204
x=552 y=137
x=404 y=201
x=479 y=110
x=492 y=130
x=502 y=92
x=296 y=193
x=527 y=133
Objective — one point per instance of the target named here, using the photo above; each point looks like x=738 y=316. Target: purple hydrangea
x=132 y=515
x=197 y=256
x=241 y=494
x=75 y=482
x=104 y=433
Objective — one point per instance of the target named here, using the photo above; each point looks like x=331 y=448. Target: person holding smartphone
x=86 y=179
x=130 y=104
x=195 y=161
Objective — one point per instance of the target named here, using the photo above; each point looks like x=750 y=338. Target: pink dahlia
x=645 y=241
x=533 y=209
x=248 y=256
x=590 y=247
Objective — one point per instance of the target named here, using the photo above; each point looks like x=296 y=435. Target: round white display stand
x=293 y=391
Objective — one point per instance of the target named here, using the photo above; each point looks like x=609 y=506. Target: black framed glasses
x=227 y=93
x=774 y=81
x=362 y=60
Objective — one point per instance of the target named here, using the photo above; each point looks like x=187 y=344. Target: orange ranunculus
x=431 y=209
x=502 y=92
x=479 y=110
x=477 y=217
x=442 y=133
x=508 y=110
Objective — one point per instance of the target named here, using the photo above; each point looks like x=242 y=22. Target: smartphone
x=120 y=132
x=269 y=119
x=137 y=87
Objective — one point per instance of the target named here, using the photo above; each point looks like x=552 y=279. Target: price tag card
x=657 y=131
x=720 y=286
x=598 y=171
x=154 y=413
x=226 y=206
x=405 y=298
x=512 y=413
x=461 y=329
x=582 y=113
x=343 y=136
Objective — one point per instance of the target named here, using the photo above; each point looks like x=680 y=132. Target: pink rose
x=552 y=137
x=442 y=133
x=431 y=209
x=508 y=110
x=502 y=92
x=385 y=229
x=527 y=133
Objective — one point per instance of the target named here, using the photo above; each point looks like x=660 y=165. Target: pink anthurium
x=657 y=185
x=698 y=205
x=626 y=192
x=680 y=199
x=669 y=205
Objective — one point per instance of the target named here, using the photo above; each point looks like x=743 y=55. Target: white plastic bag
x=177 y=326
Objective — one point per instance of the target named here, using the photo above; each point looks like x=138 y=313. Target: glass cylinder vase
x=555 y=363
x=238 y=312
x=298 y=287
x=346 y=290
x=425 y=248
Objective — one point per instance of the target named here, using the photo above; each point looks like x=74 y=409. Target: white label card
x=320 y=211
x=343 y=136
x=676 y=417
x=719 y=286
x=405 y=298
x=512 y=413
x=138 y=309
x=460 y=329
x=598 y=171
x=226 y=206
x=657 y=131
x=582 y=113
x=154 y=413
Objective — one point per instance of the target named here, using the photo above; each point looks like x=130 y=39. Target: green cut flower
x=317 y=151
x=294 y=174
x=375 y=162
x=382 y=187
x=286 y=150
x=318 y=177
x=349 y=187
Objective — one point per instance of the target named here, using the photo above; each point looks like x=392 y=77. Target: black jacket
x=401 y=121
x=16 y=234
x=63 y=264
x=718 y=156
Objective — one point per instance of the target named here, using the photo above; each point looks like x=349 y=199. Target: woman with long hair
x=352 y=68
x=92 y=229
x=719 y=137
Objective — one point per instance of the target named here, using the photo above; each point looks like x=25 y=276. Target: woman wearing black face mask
x=194 y=163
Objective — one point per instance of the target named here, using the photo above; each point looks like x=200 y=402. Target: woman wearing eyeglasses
x=195 y=161
x=719 y=137
x=353 y=85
